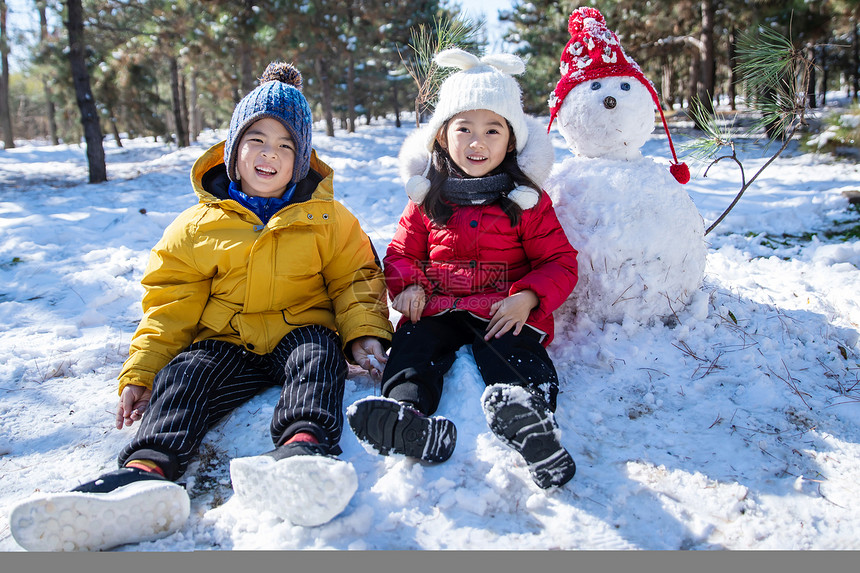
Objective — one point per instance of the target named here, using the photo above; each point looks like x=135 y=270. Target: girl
x=478 y=258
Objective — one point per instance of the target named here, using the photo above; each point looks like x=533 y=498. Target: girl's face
x=265 y=159
x=477 y=141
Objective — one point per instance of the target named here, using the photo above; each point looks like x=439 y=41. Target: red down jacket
x=479 y=258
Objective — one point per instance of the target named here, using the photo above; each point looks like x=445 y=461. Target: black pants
x=423 y=352
x=211 y=378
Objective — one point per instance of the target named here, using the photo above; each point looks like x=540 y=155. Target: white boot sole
x=304 y=490
x=78 y=521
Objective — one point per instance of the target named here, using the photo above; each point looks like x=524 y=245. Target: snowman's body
x=640 y=237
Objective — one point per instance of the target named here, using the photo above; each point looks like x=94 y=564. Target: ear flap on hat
x=414 y=161
x=417 y=188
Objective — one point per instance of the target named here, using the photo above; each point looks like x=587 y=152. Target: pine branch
x=426 y=42
x=775 y=80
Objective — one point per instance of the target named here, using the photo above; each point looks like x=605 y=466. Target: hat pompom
x=284 y=73
x=680 y=172
x=577 y=19
x=525 y=197
x=417 y=188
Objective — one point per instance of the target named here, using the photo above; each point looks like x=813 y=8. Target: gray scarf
x=477 y=190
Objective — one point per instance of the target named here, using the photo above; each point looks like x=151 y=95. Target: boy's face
x=477 y=141
x=265 y=159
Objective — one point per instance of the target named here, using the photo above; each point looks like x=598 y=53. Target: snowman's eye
x=625 y=86
x=595 y=85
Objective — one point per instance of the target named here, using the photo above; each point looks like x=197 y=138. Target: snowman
x=639 y=236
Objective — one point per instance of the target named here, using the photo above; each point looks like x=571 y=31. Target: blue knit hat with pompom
x=278 y=96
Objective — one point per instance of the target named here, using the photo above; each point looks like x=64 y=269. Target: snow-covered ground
x=736 y=428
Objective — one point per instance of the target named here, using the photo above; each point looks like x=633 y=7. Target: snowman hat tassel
x=678 y=169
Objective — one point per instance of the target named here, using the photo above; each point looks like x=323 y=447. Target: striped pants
x=211 y=378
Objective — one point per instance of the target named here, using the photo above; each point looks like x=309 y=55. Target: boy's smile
x=266 y=157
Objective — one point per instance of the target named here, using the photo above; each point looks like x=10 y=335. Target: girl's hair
x=442 y=167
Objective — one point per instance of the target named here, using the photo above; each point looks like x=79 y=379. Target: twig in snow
x=688 y=351
x=791 y=382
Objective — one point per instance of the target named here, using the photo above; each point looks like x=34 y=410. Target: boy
x=266 y=281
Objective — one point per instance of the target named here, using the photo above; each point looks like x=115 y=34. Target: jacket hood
x=536 y=160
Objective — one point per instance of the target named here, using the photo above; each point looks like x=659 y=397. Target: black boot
x=524 y=422
x=303 y=449
x=389 y=426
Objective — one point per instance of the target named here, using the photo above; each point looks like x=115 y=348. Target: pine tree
x=5 y=113
x=83 y=93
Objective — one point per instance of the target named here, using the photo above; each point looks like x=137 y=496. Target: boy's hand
x=363 y=349
x=410 y=302
x=132 y=404
x=511 y=312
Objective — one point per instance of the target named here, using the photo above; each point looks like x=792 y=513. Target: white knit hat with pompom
x=481 y=83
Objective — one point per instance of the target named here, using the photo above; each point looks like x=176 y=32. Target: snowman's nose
x=609 y=102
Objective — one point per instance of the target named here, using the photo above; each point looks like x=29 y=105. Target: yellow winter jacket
x=219 y=273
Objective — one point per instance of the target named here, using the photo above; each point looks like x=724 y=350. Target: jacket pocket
x=217 y=314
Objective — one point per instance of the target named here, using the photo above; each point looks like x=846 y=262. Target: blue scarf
x=263 y=207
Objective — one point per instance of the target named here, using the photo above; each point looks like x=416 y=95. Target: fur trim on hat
x=535 y=159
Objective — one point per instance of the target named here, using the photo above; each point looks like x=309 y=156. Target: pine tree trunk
x=246 y=64
x=183 y=107
x=51 y=112
x=733 y=38
x=825 y=73
x=50 y=108
x=707 y=67
x=855 y=58
x=114 y=128
x=321 y=68
x=350 y=92
x=811 y=98
x=396 y=102
x=83 y=93
x=181 y=136
x=193 y=108
x=5 y=112
x=693 y=81
x=667 y=83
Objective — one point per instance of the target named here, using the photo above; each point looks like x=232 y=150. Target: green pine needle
x=427 y=41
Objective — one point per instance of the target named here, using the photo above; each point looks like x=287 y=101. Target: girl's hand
x=511 y=312
x=132 y=404
x=410 y=302
x=365 y=351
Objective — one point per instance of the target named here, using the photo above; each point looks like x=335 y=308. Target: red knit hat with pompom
x=595 y=52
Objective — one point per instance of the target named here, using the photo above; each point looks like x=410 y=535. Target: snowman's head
x=597 y=81
x=607 y=117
